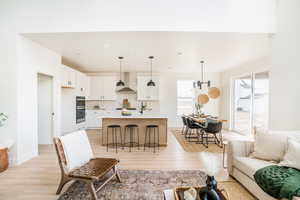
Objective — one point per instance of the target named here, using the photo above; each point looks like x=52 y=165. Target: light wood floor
x=38 y=178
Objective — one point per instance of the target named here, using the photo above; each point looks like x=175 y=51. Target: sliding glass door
x=261 y=100
x=250 y=102
x=242 y=104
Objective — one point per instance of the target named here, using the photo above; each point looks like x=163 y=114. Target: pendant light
x=151 y=83
x=120 y=82
x=202 y=82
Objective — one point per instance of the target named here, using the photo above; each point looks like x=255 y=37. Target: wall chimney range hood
x=126 y=89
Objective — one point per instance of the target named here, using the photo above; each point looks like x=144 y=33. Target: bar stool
x=152 y=130
x=114 y=129
x=131 y=129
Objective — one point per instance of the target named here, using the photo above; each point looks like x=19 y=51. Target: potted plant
x=3 y=118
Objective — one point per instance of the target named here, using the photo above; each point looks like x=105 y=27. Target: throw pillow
x=292 y=156
x=271 y=145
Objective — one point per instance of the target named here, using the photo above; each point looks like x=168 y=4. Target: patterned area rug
x=137 y=185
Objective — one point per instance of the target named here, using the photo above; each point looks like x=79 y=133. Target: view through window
x=185 y=97
x=251 y=102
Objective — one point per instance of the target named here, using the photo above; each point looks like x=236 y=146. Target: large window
x=185 y=97
x=250 y=102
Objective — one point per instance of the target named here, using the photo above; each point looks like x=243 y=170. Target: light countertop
x=136 y=116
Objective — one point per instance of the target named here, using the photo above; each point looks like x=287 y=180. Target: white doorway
x=45 y=109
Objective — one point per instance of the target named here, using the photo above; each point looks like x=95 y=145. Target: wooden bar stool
x=131 y=129
x=152 y=130
x=114 y=130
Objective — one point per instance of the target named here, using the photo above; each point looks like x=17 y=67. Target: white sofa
x=242 y=167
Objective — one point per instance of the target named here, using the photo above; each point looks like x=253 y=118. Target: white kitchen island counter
x=142 y=121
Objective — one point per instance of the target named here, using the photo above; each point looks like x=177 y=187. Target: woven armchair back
x=61 y=155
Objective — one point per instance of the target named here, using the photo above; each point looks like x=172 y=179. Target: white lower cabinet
x=93 y=120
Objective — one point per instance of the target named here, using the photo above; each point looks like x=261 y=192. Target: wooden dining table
x=203 y=119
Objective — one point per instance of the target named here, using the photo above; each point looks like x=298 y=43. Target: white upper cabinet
x=145 y=92
x=68 y=77
x=82 y=84
x=103 y=88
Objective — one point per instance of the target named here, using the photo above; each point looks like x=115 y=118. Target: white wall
x=45 y=109
x=168 y=95
x=285 y=71
x=144 y=15
x=9 y=73
x=34 y=59
x=263 y=64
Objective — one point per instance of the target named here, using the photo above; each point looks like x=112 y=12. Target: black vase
x=210 y=191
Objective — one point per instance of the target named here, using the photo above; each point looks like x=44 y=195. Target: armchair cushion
x=94 y=169
x=77 y=149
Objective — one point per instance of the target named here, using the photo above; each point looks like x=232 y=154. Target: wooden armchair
x=83 y=167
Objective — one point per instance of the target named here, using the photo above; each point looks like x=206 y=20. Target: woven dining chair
x=91 y=170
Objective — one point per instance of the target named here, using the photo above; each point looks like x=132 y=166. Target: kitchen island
x=142 y=120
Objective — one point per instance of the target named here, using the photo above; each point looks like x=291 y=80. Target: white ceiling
x=173 y=51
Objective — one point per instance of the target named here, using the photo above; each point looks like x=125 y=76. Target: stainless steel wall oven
x=80 y=109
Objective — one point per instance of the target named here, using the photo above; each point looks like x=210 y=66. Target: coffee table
x=170 y=193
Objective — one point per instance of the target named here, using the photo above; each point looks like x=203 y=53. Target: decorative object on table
x=199 y=107
x=3 y=118
x=4 y=160
x=126 y=103
x=120 y=83
x=179 y=193
x=151 y=83
x=138 y=184
x=214 y=92
x=190 y=194
x=125 y=112
x=143 y=107
x=211 y=167
x=203 y=99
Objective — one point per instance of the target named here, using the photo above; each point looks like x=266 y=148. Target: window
x=185 y=97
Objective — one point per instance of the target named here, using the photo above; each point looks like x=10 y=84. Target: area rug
x=192 y=146
x=137 y=185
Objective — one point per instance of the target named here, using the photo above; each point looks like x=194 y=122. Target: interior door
x=45 y=109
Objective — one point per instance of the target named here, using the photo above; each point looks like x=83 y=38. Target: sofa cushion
x=250 y=165
x=266 y=141
x=292 y=156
